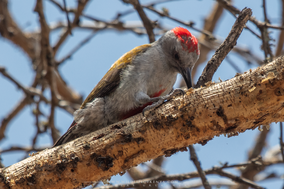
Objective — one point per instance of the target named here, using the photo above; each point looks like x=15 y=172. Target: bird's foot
x=162 y=99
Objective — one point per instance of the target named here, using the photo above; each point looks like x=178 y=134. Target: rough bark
x=231 y=107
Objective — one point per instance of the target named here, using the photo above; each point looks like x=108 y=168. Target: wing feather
x=111 y=79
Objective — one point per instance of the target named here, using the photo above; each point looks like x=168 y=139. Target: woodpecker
x=142 y=77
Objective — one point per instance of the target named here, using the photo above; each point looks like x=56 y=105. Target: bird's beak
x=186 y=74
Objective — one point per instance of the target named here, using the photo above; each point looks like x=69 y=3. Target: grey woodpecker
x=142 y=76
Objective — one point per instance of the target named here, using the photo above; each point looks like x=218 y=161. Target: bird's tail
x=65 y=138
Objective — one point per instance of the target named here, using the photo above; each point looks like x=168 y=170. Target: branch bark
x=225 y=47
x=231 y=107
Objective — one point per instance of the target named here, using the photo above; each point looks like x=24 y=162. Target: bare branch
x=196 y=162
x=17 y=109
x=67 y=18
x=281 y=34
x=238 y=179
x=18 y=148
x=281 y=140
x=80 y=7
x=197 y=116
x=10 y=30
x=28 y=91
x=225 y=47
x=191 y=175
x=76 y=48
x=146 y=21
x=236 y=11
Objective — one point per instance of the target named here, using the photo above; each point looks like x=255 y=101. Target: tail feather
x=66 y=137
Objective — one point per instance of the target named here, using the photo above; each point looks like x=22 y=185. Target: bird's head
x=181 y=48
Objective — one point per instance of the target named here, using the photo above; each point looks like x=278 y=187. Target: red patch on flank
x=158 y=93
x=191 y=43
x=140 y=109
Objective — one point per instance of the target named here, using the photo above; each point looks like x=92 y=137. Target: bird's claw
x=152 y=106
x=175 y=92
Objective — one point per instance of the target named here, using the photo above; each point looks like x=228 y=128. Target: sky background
x=92 y=61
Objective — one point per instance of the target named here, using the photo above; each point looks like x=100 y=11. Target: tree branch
x=146 y=21
x=194 y=158
x=10 y=30
x=231 y=107
x=80 y=7
x=225 y=47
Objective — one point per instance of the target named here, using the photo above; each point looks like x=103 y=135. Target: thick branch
x=231 y=107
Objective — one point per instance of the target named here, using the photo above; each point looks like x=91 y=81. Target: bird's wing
x=111 y=79
x=105 y=86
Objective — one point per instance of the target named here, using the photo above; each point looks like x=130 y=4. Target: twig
x=236 y=11
x=225 y=47
x=54 y=131
x=191 y=175
x=17 y=109
x=214 y=183
x=80 y=7
x=248 y=55
x=150 y=6
x=155 y=167
x=194 y=158
x=281 y=34
x=28 y=91
x=47 y=59
x=265 y=36
x=238 y=179
x=58 y=5
x=67 y=17
x=188 y=24
x=146 y=21
x=11 y=31
x=18 y=148
x=238 y=70
x=264 y=11
x=121 y=14
x=76 y=48
x=205 y=43
x=251 y=170
x=281 y=141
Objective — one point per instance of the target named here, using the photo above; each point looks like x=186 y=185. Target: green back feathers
x=111 y=79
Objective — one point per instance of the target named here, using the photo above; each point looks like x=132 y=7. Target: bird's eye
x=176 y=56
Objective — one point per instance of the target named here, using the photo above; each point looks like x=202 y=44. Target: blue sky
x=90 y=63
